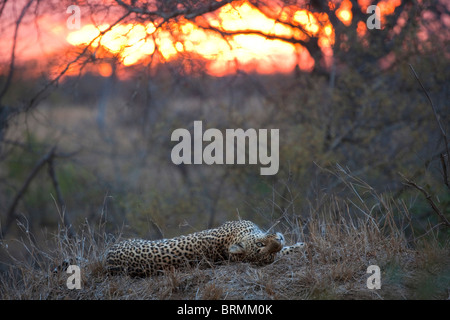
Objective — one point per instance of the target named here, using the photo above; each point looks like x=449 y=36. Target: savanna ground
x=333 y=266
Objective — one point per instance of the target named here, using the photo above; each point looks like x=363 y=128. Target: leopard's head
x=260 y=248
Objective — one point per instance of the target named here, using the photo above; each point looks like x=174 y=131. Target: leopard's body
x=233 y=241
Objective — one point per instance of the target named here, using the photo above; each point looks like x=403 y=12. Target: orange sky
x=135 y=43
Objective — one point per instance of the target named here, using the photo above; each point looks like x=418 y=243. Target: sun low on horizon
x=237 y=36
x=250 y=50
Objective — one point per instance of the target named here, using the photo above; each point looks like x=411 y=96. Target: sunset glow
x=344 y=13
x=216 y=43
x=250 y=52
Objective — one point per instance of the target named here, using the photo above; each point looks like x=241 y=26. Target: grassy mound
x=340 y=248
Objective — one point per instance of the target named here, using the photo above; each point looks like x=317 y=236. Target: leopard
x=234 y=241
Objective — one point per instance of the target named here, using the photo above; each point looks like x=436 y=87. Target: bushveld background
x=363 y=179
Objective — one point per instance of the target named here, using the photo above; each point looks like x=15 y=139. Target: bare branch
x=190 y=12
x=10 y=213
x=311 y=45
x=46 y=159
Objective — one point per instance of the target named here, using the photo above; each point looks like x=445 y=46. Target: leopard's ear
x=236 y=248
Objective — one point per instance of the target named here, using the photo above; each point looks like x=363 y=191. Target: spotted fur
x=233 y=241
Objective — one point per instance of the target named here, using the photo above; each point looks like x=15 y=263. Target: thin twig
x=443 y=134
x=65 y=218
x=429 y=199
x=35 y=99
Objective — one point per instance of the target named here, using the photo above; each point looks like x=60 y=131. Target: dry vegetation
x=340 y=247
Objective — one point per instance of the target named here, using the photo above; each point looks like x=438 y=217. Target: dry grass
x=343 y=237
x=333 y=266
